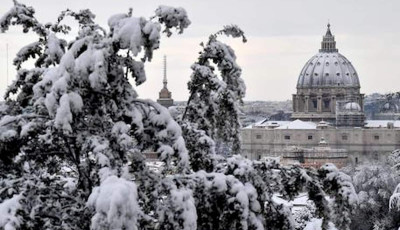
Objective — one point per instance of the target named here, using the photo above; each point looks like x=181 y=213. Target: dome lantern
x=328 y=44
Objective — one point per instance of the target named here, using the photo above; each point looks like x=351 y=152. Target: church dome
x=328 y=68
x=352 y=107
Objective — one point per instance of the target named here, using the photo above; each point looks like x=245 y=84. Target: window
x=344 y=137
x=287 y=137
x=258 y=136
x=314 y=103
x=376 y=137
x=326 y=103
x=309 y=137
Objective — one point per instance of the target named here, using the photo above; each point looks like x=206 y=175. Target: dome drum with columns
x=327 y=78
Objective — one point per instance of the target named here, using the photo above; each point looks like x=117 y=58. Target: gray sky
x=282 y=36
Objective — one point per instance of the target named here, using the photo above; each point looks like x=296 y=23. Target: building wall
x=362 y=144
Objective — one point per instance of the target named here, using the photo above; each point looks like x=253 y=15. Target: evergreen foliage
x=73 y=133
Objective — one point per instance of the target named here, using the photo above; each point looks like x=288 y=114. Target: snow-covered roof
x=381 y=123
x=265 y=123
x=298 y=124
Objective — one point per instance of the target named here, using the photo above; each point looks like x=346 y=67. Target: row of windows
x=287 y=137
x=310 y=137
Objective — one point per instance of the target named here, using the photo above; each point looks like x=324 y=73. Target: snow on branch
x=179 y=210
x=173 y=17
x=340 y=187
x=115 y=204
x=394 y=202
x=22 y=15
x=215 y=98
x=157 y=126
x=31 y=50
x=8 y=213
x=232 y=30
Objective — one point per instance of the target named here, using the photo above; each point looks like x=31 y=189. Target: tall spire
x=165 y=96
x=165 y=82
x=328 y=44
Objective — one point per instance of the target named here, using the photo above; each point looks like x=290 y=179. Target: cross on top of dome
x=328 y=44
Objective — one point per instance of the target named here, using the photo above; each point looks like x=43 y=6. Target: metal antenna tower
x=165 y=72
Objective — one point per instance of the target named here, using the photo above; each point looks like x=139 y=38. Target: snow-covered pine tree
x=341 y=190
x=75 y=127
x=374 y=183
x=211 y=116
x=72 y=138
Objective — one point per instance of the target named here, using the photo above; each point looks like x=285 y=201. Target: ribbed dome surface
x=328 y=69
x=352 y=106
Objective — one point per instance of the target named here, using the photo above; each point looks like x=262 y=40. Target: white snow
x=98 y=78
x=173 y=17
x=127 y=31
x=8 y=134
x=183 y=198
x=64 y=116
x=8 y=211
x=54 y=50
x=75 y=101
x=115 y=203
x=315 y=224
x=26 y=128
x=298 y=124
x=381 y=123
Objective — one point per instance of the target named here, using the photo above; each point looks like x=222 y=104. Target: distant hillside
x=253 y=111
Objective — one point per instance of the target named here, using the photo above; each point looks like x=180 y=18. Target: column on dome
x=295 y=103
x=306 y=104
x=319 y=103
x=333 y=104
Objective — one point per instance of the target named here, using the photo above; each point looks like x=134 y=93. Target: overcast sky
x=282 y=36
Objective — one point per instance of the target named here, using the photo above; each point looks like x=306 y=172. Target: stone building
x=165 y=96
x=328 y=104
x=315 y=156
x=326 y=78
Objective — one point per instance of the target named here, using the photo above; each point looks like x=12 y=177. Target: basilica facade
x=327 y=105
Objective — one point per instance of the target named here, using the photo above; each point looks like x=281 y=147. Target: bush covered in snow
x=375 y=183
x=73 y=133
